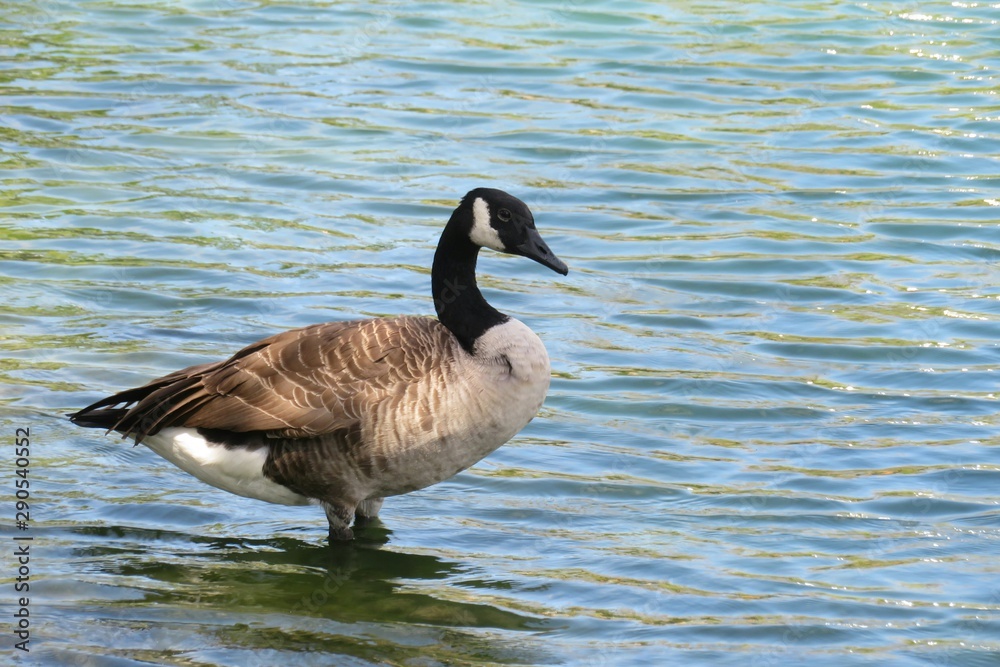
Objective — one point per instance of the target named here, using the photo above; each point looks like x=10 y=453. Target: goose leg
x=367 y=511
x=339 y=517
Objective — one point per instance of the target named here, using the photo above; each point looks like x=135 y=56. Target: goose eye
x=504 y=215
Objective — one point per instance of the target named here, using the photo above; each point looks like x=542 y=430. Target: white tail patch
x=239 y=470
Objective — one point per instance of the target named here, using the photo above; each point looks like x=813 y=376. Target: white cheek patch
x=482 y=233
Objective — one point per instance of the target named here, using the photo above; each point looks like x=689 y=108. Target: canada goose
x=347 y=413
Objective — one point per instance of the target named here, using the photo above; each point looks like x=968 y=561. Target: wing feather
x=300 y=383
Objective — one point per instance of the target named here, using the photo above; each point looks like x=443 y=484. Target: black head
x=503 y=222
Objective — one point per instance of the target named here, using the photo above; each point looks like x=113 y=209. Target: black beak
x=534 y=248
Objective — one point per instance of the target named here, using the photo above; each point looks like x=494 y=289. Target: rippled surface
x=772 y=430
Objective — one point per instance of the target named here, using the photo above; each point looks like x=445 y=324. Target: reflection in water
x=285 y=596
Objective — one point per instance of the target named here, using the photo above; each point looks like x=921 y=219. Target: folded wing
x=300 y=383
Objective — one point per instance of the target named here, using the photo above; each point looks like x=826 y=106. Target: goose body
x=345 y=414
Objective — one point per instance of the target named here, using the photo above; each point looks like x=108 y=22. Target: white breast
x=514 y=355
x=480 y=402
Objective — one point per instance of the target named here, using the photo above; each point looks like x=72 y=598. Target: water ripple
x=772 y=431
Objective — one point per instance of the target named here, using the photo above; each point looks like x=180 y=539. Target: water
x=771 y=436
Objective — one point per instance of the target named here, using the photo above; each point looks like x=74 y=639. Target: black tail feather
x=143 y=410
x=106 y=418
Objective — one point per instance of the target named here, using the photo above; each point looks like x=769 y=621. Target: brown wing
x=300 y=383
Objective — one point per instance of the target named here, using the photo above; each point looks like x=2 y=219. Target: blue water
x=772 y=433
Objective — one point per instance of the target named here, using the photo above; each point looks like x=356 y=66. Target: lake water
x=772 y=433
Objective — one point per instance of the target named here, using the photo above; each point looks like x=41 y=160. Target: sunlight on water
x=772 y=429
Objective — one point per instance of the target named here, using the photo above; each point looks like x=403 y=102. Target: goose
x=345 y=414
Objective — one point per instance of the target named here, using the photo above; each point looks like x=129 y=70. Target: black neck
x=459 y=304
